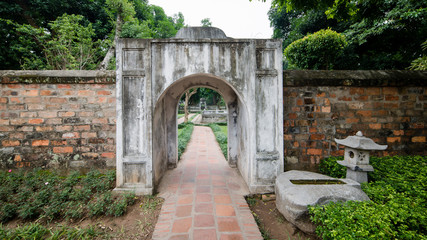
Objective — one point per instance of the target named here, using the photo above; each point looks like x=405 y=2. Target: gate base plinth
x=138 y=189
x=261 y=189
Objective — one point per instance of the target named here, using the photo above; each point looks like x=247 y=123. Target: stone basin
x=292 y=199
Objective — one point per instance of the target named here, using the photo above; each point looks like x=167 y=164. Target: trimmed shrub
x=221 y=138
x=398 y=194
x=316 y=51
x=330 y=167
x=184 y=137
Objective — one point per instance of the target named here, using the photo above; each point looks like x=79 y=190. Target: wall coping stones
x=354 y=78
x=58 y=76
x=291 y=78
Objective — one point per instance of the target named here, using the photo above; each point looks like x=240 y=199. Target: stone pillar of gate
x=268 y=114
x=134 y=114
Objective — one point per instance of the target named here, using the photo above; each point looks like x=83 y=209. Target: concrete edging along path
x=181 y=119
x=204 y=197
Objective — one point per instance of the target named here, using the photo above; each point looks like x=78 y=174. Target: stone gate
x=153 y=74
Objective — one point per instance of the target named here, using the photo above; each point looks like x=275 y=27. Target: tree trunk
x=110 y=54
x=188 y=95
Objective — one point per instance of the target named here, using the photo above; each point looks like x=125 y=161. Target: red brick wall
x=68 y=118
x=65 y=124
x=320 y=106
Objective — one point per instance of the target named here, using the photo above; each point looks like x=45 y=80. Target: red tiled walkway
x=204 y=196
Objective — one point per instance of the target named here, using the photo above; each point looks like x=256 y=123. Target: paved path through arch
x=204 y=197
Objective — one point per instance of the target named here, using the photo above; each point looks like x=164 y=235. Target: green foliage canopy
x=381 y=34
x=156 y=24
x=206 y=22
x=23 y=24
x=316 y=51
x=65 y=44
x=421 y=62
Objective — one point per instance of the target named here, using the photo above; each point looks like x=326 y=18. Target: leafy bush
x=184 y=137
x=398 y=192
x=330 y=167
x=316 y=51
x=42 y=194
x=421 y=62
x=221 y=138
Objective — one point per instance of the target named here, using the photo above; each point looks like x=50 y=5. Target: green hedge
x=184 y=137
x=221 y=138
x=316 y=51
x=398 y=208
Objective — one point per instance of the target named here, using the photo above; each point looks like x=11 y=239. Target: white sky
x=237 y=18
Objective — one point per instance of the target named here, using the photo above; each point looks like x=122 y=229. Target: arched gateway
x=152 y=75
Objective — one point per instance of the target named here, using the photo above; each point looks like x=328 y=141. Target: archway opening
x=165 y=127
x=202 y=106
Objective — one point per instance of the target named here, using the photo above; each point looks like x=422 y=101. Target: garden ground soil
x=274 y=225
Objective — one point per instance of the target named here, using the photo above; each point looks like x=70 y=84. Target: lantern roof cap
x=360 y=142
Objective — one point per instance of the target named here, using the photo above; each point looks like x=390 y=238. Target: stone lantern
x=356 y=156
x=202 y=104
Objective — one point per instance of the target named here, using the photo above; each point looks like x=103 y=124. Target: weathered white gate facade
x=153 y=74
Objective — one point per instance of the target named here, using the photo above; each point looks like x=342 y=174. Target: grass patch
x=184 y=135
x=398 y=192
x=45 y=195
x=224 y=129
x=221 y=137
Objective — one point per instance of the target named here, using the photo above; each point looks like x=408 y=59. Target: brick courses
x=72 y=118
x=46 y=123
x=390 y=111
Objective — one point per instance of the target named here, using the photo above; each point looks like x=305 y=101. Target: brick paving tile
x=204 y=221
x=204 y=197
x=183 y=211
x=229 y=224
x=225 y=210
x=180 y=237
x=204 y=234
x=204 y=208
x=182 y=225
x=231 y=237
x=224 y=199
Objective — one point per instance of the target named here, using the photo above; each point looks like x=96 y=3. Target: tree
x=145 y=21
x=380 y=34
x=154 y=23
x=421 y=62
x=316 y=51
x=206 y=22
x=65 y=45
x=39 y=14
x=123 y=11
x=188 y=94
